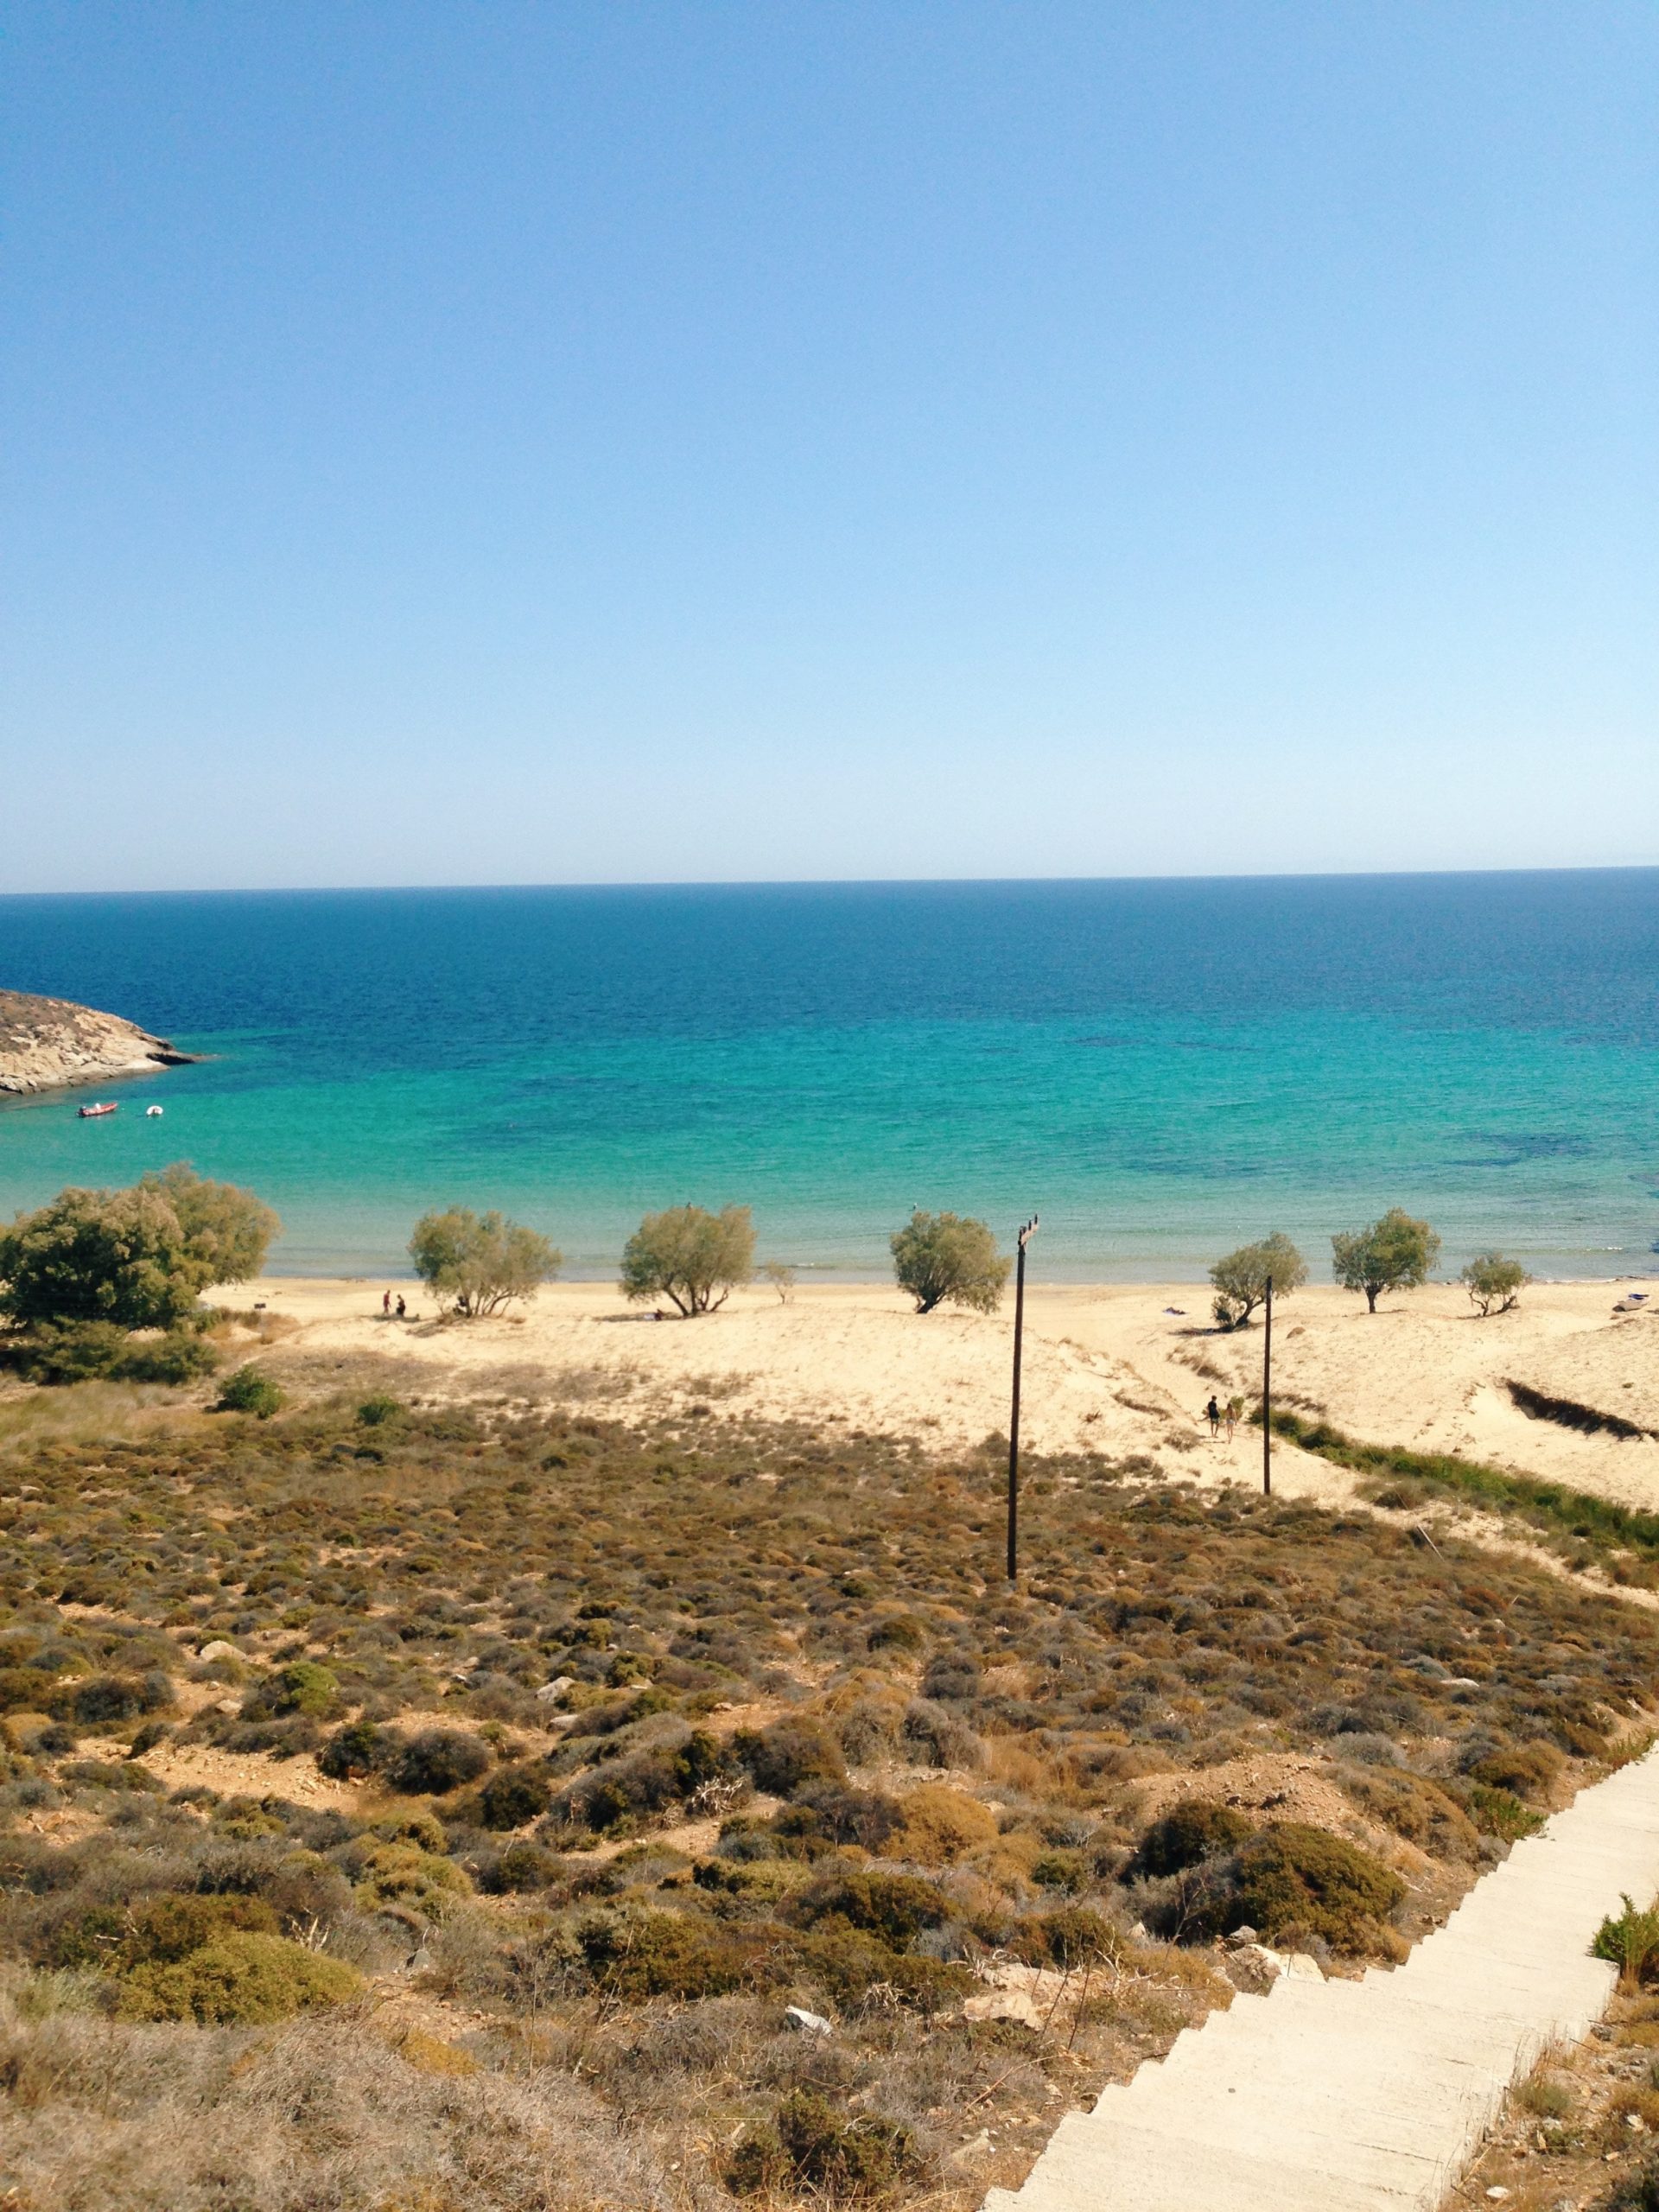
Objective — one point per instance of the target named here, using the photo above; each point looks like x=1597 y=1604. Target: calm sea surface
x=1163 y=1068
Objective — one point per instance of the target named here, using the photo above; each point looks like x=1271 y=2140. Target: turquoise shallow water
x=1162 y=1068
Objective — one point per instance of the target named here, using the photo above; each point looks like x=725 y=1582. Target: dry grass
x=807 y=1749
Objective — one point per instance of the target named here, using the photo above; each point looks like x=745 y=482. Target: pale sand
x=1108 y=1369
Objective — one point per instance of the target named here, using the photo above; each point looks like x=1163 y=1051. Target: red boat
x=92 y=1113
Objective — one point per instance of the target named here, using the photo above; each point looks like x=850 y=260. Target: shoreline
x=826 y=1275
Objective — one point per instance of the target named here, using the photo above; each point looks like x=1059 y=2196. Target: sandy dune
x=1110 y=1368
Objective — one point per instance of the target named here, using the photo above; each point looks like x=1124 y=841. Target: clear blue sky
x=494 y=442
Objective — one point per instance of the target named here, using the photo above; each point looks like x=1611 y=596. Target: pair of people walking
x=1215 y=1414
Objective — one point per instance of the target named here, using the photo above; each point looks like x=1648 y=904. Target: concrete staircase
x=1370 y=2096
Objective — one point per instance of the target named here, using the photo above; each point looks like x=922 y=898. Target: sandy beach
x=1120 y=1370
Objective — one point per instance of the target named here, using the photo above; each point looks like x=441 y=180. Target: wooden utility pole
x=1025 y=1236
x=1267 y=1396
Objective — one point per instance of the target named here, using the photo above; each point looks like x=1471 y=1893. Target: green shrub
x=1526 y=1771
x=181 y=1356
x=899 y=1632
x=1076 y=1935
x=1499 y=1813
x=1187 y=1835
x=402 y=1874
x=1631 y=1943
x=359 y=1750
x=1636 y=2192
x=638 y=1955
x=26 y=1689
x=811 y=2148
x=895 y=1907
x=301 y=1687
x=248 y=1391
x=522 y=1866
x=118 y=1697
x=72 y=1351
x=113 y=1774
x=836 y=1813
x=82 y=1351
x=376 y=1412
x=788 y=1754
x=237 y=1980
x=1291 y=1878
x=437 y=1761
x=703 y=1759
x=157 y=1930
x=512 y=1797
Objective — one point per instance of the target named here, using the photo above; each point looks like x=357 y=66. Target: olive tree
x=138 y=1258
x=480 y=1262
x=1242 y=1279
x=943 y=1258
x=690 y=1256
x=1393 y=1253
x=1494 y=1283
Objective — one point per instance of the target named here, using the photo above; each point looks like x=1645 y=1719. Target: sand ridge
x=1117 y=1369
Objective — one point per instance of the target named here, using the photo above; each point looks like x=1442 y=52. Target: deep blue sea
x=1162 y=1068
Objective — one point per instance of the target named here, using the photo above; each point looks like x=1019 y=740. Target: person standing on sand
x=1231 y=1416
x=1212 y=1414
x=385 y=1304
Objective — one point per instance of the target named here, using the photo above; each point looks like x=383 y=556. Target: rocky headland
x=46 y=1044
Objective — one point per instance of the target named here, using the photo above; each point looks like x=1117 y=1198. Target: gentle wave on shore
x=1161 y=1067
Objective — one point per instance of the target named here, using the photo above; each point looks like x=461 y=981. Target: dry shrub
x=940 y=1825
x=1413 y=1807
x=1015 y=1765
x=934 y=1736
x=835 y=2158
x=110 y=2118
x=1529 y=1771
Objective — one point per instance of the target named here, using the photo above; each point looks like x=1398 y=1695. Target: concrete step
x=1370 y=2094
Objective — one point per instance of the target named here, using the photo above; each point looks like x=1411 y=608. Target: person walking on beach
x=385 y=1304
x=1212 y=1414
x=1231 y=1416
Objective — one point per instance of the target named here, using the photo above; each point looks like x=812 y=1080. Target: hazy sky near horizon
x=500 y=442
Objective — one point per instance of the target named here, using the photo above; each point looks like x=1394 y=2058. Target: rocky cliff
x=45 y=1043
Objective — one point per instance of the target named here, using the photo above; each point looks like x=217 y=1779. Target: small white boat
x=152 y=1113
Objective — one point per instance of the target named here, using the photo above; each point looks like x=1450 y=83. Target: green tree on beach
x=1393 y=1253
x=480 y=1262
x=690 y=1256
x=1494 y=1283
x=228 y=1232
x=947 y=1258
x=1241 y=1279
x=138 y=1258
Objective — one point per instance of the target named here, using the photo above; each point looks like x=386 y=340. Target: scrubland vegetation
x=441 y=1808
